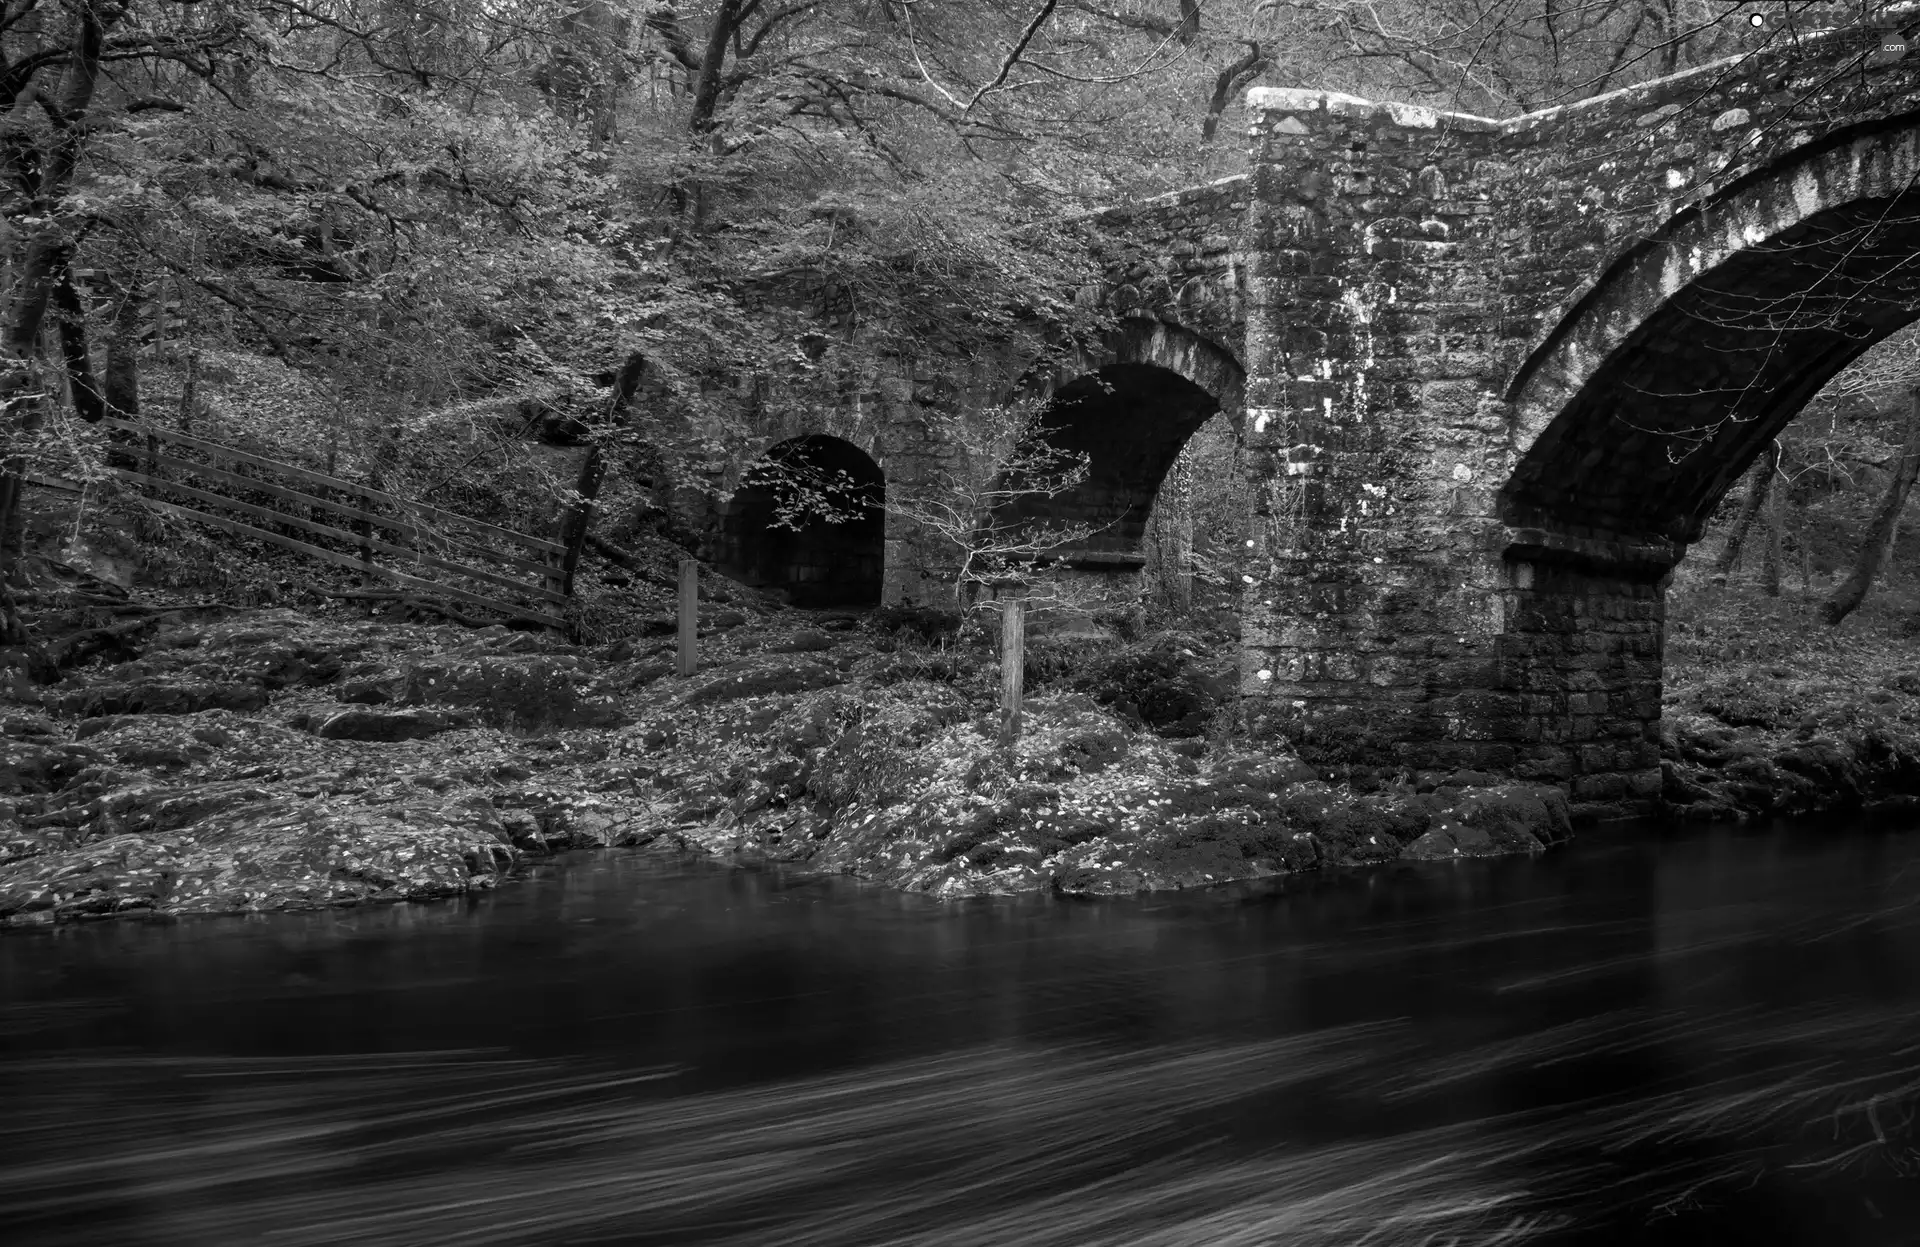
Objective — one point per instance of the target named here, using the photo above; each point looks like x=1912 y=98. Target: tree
x=1877 y=542
x=1759 y=489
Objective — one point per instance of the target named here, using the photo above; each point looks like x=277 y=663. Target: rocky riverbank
x=209 y=761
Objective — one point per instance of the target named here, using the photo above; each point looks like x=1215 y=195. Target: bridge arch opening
x=1671 y=379
x=1129 y=422
x=1675 y=379
x=808 y=521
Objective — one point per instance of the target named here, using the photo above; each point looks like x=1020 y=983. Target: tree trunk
x=190 y=390
x=121 y=378
x=1770 y=565
x=1182 y=536
x=71 y=321
x=1759 y=485
x=41 y=268
x=1852 y=591
x=1227 y=84
x=579 y=516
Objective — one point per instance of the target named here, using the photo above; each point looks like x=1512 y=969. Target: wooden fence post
x=365 y=529
x=689 y=615
x=1013 y=662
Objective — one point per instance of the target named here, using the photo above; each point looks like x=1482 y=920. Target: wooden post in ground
x=1013 y=662
x=689 y=616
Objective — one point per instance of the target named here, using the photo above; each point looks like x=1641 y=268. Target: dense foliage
x=447 y=219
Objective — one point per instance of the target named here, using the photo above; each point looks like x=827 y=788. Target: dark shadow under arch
x=820 y=555
x=1668 y=422
x=1130 y=420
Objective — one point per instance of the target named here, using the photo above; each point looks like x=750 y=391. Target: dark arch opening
x=1674 y=416
x=1130 y=421
x=808 y=520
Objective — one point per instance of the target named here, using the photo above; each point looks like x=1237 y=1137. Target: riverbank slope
x=206 y=759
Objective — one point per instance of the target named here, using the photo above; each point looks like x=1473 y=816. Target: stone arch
x=824 y=559
x=1653 y=395
x=1129 y=407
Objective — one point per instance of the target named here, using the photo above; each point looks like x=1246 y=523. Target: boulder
x=365 y=692
x=1827 y=762
x=759 y=677
x=805 y=641
x=285 y=664
x=1431 y=846
x=1514 y=818
x=524 y=691
x=229 y=848
x=160 y=697
x=34 y=766
x=383 y=725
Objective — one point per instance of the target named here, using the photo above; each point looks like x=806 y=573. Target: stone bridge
x=1493 y=377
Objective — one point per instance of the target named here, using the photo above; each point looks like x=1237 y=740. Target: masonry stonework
x=1500 y=372
x=1492 y=377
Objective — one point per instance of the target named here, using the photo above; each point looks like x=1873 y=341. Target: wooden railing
x=529 y=582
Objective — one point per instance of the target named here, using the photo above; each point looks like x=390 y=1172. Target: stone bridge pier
x=1500 y=372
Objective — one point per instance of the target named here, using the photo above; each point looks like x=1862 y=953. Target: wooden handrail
x=333 y=482
x=325 y=530
x=371 y=517
x=348 y=560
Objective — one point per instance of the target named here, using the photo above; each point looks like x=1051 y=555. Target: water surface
x=1711 y=1036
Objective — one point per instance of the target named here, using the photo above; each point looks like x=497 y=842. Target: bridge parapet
x=1176 y=258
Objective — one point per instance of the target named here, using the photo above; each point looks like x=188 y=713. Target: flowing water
x=1700 y=1037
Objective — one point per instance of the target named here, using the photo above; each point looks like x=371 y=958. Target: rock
x=805 y=641
x=1471 y=839
x=159 y=755
x=88 y=728
x=1167 y=684
x=27 y=726
x=30 y=766
x=528 y=692
x=1677 y=789
x=239 y=849
x=160 y=697
x=871 y=765
x=149 y=808
x=365 y=692
x=1469 y=779
x=1100 y=881
x=286 y=664
x=782 y=778
x=522 y=828
x=1258 y=771
x=758 y=677
x=382 y=725
x=1094 y=749
x=1826 y=762
x=1432 y=846
x=1516 y=818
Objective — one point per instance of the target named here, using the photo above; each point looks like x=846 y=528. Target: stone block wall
x=1176 y=258
x=1421 y=289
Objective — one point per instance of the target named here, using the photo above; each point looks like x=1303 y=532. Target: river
x=1707 y=1036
